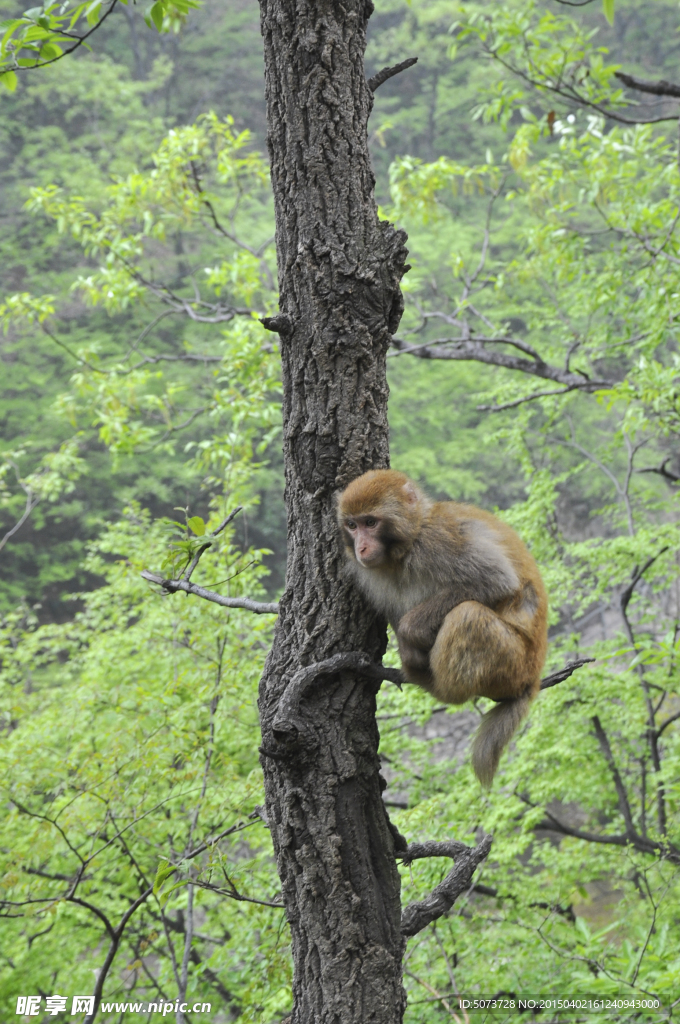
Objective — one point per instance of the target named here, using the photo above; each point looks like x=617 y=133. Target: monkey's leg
x=476 y=654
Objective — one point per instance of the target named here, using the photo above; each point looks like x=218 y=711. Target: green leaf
x=9 y=80
x=197 y=525
x=156 y=13
x=608 y=8
x=165 y=869
x=165 y=895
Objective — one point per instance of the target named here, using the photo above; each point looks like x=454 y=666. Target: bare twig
x=474 y=350
x=660 y=88
x=669 y=721
x=172 y=586
x=558 y=677
x=32 y=500
x=637 y=576
x=527 y=398
x=382 y=76
x=662 y=471
x=556 y=908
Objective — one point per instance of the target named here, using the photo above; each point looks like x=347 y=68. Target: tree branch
x=172 y=586
x=186 y=586
x=652 y=733
x=660 y=88
x=382 y=76
x=555 y=908
x=79 y=42
x=474 y=350
x=624 y=805
x=637 y=576
x=418 y=915
x=558 y=677
x=287 y=721
x=31 y=501
x=662 y=471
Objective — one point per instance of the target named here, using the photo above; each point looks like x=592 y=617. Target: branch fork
x=184 y=584
x=287 y=722
x=420 y=914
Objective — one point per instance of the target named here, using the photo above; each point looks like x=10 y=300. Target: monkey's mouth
x=371 y=561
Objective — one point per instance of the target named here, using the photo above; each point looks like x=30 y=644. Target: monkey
x=462 y=593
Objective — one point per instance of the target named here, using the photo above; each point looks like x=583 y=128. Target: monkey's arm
x=419 y=627
x=416 y=633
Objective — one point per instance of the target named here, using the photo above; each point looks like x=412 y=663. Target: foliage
x=543 y=229
x=564 y=254
x=131 y=743
x=45 y=34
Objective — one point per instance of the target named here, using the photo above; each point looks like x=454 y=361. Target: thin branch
x=202 y=195
x=527 y=398
x=188 y=939
x=622 y=795
x=382 y=76
x=474 y=350
x=493 y=893
x=420 y=914
x=31 y=501
x=558 y=677
x=652 y=732
x=571 y=94
x=149 y=328
x=669 y=721
x=187 y=357
x=78 y=359
x=111 y=953
x=660 y=88
x=234 y=894
x=172 y=586
x=204 y=547
x=662 y=471
x=637 y=576
x=65 y=53
x=553 y=824
x=437 y=996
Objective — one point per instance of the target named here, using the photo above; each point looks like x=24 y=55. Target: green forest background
x=140 y=403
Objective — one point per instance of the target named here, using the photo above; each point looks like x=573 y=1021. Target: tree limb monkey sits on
x=462 y=593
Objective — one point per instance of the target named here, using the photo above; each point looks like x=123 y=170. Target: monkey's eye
x=370 y=522
x=350 y=524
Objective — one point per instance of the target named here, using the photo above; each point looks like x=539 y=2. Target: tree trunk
x=339 y=272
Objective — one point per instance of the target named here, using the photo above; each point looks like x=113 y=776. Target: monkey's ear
x=410 y=493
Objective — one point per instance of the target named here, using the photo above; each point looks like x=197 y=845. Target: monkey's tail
x=494 y=734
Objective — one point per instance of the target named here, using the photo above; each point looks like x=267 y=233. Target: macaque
x=462 y=593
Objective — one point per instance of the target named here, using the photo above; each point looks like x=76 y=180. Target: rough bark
x=339 y=272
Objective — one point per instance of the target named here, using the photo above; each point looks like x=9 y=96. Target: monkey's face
x=366 y=537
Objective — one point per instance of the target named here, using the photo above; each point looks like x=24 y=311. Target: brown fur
x=463 y=594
